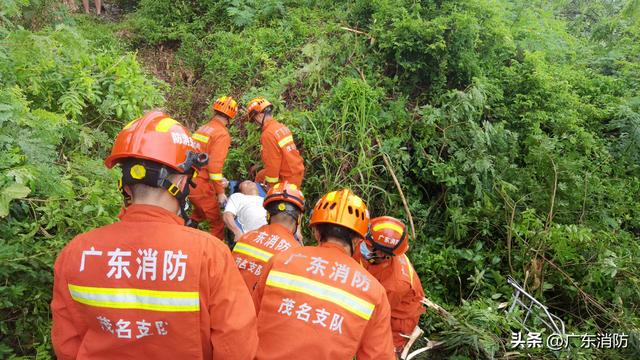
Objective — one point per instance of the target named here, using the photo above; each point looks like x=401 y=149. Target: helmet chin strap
x=159 y=178
x=181 y=196
x=371 y=255
x=136 y=171
x=295 y=233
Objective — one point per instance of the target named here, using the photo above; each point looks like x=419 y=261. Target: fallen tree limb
x=439 y=310
x=417 y=332
x=355 y=31
x=430 y=346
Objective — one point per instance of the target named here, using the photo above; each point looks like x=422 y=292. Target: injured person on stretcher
x=244 y=211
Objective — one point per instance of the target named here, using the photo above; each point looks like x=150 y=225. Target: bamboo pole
x=387 y=163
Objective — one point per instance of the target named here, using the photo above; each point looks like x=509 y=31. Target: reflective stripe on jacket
x=254 y=249
x=317 y=302
x=149 y=287
x=281 y=158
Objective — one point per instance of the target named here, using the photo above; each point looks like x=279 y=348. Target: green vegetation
x=63 y=99
x=513 y=128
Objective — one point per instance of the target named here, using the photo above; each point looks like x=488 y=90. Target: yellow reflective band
x=300 y=284
x=410 y=268
x=201 y=138
x=252 y=251
x=271 y=179
x=331 y=196
x=165 y=124
x=215 y=176
x=285 y=141
x=128 y=298
x=391 y=226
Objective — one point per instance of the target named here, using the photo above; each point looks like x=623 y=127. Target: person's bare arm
x=230 y=220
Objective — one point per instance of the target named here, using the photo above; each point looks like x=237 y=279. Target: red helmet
x=226 y=105
x=155 y=137
x=285 y=192
x=389 y=235
x=343 y=208
x=257 y=105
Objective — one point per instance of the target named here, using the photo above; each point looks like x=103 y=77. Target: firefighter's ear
x=127 y=190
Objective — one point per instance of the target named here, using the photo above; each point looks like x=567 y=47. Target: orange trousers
x=205 y=207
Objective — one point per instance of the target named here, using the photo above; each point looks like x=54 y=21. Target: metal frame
x=532 y=307
x=521 y=298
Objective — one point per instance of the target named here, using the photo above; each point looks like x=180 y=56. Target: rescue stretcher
x=233 y=187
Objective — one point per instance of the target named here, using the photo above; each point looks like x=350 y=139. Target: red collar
x=149 y=213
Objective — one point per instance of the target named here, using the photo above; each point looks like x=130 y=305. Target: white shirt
x=248 y=211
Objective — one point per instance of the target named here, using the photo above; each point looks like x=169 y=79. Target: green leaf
x=14 y=191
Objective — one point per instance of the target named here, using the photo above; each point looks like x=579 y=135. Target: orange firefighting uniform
x=281 y=158
x=319 y=303
x=404 y=291
x=254 y=249
x=214 y=139
x=149 y=287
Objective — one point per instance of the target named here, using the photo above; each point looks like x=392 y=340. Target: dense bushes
x=504 y=127
x=512 y=127
x=62 y=101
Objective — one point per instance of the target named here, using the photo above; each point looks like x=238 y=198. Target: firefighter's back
x=145 y=288
x=317 y=302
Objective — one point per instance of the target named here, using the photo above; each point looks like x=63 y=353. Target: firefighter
x=285 y=205
x=208 y=196
x=148 y=287
x=320 y=296
x=281 y=158
x=383 y=254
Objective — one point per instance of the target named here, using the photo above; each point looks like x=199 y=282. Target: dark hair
x=289 y=209
x=342 y=233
